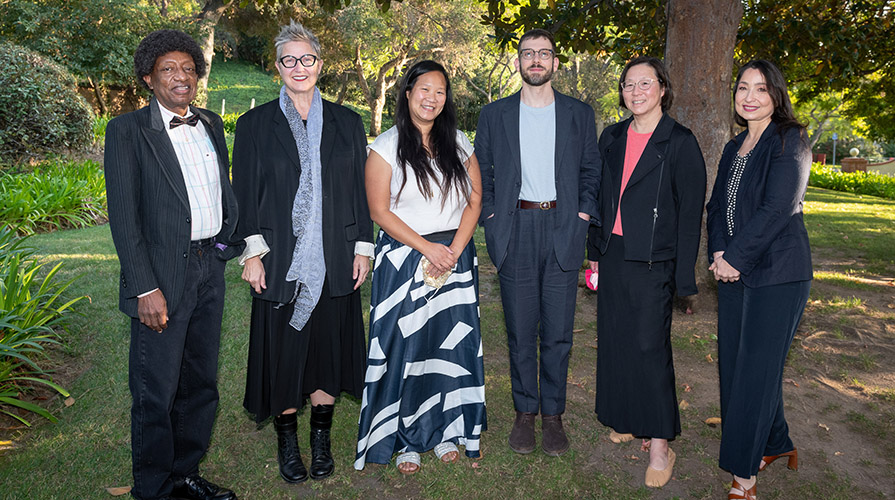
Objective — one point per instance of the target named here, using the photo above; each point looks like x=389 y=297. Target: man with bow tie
x=172 y=213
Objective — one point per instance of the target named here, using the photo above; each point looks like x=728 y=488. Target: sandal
x=412 y=458
x=792 y=463
x=739 y=492
x=443 y=452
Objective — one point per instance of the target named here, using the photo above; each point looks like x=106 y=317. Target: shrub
x=100 y=122
x=230 y=122
x=54 y=195
x=40 y=110
x=867 y=183
x=31 y=311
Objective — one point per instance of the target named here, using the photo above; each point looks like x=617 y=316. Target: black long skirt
x=285 y=365
x=635 y=371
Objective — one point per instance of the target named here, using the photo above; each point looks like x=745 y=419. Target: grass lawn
x=844 y=390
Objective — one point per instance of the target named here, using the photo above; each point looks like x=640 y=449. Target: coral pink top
x=634 y=147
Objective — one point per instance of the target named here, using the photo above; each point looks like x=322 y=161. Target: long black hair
x=784 y=116
x=442 y=140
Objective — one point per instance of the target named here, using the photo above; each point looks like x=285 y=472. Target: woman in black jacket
x=298 y=174
x=760 y=255
x=651 y=199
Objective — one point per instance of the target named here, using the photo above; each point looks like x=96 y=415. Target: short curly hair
x=161 y=42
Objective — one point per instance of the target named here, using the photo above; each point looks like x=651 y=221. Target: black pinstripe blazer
x=149 y=209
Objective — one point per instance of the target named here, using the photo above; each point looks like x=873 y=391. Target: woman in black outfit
x=651 y=200
x=298 y=174
x=760 y=256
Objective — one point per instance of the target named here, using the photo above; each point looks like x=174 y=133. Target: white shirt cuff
x=255 y=247
x=146 y=293
x=364 y=248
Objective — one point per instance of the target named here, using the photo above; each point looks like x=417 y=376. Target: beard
x=536 y=80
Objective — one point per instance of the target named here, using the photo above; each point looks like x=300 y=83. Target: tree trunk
x=699 y=56
x=376 y=109
x=100 y=100
x=208 y=18
x=343 y=90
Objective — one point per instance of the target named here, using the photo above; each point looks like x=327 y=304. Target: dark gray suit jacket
x=266 y=170
x=577 y=171
x=149 y=209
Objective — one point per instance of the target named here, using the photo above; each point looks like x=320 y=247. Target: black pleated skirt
x=635 y=371
x=285 y=365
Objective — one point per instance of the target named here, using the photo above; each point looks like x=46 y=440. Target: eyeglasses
x=543 y=54
x=643 y=85
x=306 y=60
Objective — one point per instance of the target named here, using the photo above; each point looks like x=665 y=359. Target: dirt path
x=839 y=391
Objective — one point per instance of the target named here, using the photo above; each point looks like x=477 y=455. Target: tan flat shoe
x=658 y=478
x=617 y=438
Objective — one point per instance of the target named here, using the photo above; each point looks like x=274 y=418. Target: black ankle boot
x=322 y=464
x=288 y=455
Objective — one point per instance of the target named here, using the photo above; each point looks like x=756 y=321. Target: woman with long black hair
x=761 y=258
x=425 y=381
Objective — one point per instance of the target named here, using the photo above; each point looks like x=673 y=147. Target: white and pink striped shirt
x=199 y=165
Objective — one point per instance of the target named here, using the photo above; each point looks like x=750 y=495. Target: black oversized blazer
x=672 y=157
x=266 y=170
x=149 y=208
x=770 y=243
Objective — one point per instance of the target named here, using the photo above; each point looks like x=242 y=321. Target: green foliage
x=31 y=311
x=40 y=111
x=95 y=39
x=54 y=195
x=866 y=183
x=820 y=45
x=99 y=128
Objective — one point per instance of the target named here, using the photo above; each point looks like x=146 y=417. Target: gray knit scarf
x=308 y=268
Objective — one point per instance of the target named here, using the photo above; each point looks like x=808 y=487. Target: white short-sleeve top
x=425 y=216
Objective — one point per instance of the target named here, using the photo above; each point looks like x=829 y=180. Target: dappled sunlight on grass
x=848 y=280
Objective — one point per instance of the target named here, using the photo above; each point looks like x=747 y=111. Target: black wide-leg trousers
x=756 y=326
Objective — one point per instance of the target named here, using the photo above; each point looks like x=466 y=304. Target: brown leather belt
x=530 y=205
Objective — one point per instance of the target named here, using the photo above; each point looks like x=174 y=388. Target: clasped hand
x=441 y=258
x=723 y=270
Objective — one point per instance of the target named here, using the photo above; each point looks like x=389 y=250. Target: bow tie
x=191 y=120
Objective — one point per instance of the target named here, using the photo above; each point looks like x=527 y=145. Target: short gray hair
x=295 y=32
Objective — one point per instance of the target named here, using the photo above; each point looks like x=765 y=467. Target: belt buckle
x=544 y=205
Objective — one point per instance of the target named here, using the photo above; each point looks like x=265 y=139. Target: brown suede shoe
x=553 y=437
x=522 y=437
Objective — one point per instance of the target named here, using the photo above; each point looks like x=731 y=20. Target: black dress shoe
x=197 y=488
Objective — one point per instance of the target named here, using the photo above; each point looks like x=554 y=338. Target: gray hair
x=295 y=32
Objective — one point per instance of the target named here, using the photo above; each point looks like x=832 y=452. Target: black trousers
x=755 y=329
x=538 y=305
x=173 y=380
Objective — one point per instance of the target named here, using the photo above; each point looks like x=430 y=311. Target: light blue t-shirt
x=537 y=145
